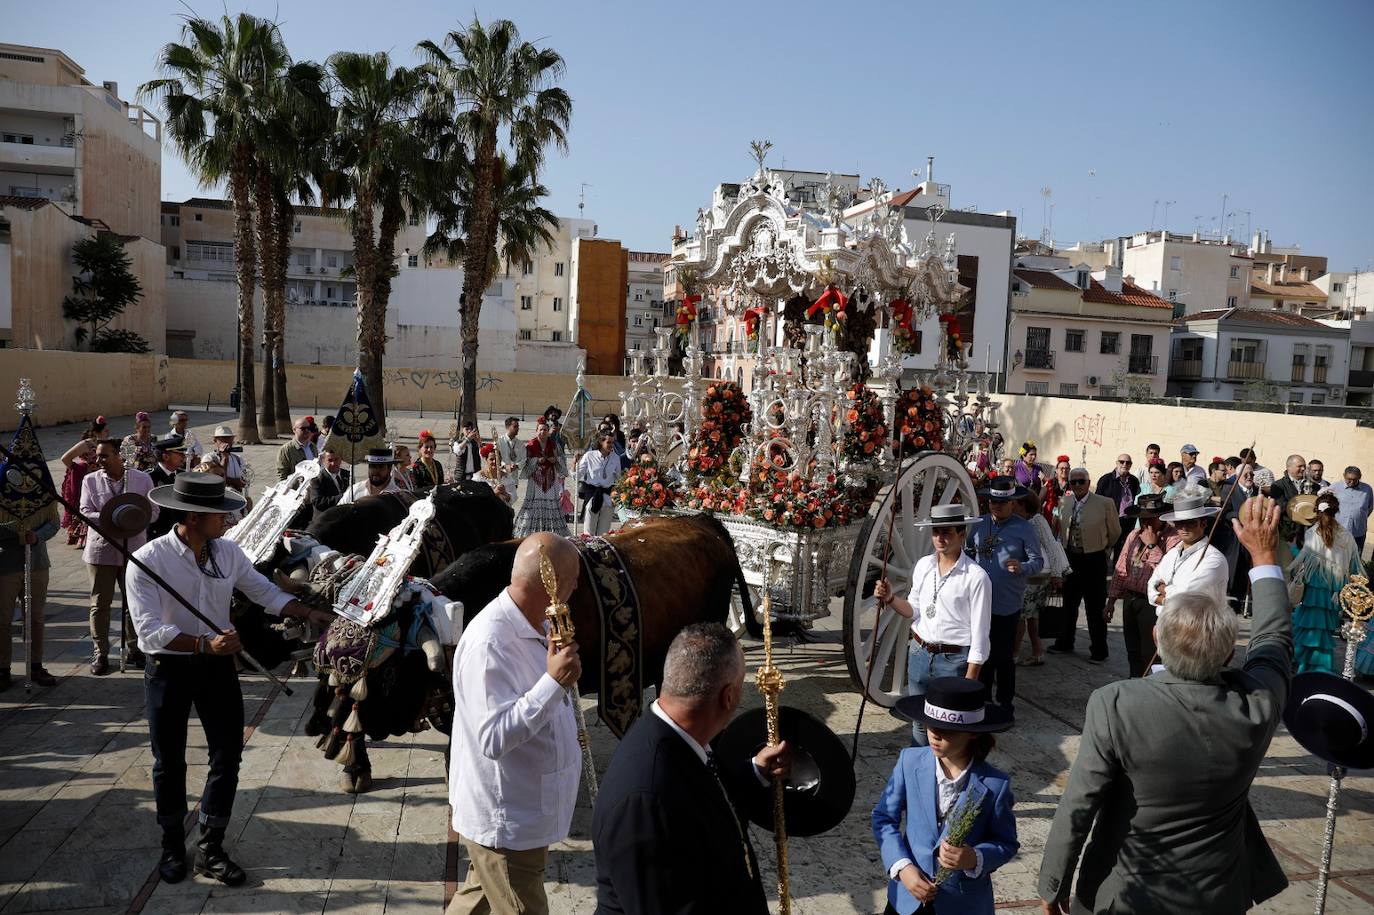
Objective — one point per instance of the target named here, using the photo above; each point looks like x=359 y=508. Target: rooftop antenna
x=582 y=200
x=1045 y=193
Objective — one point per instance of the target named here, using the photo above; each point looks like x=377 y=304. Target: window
x=557 y=336
x=329 y=292
x=526 y=302
x=331 y=260
x=526 y=335
x=1173 y=295
x=176 y=252
x=639 y=296
x=413 y=260
x=1037 y=387
x=639 y=320
x=557 y=303
x=558 y=268
x=296 y=229
x=527 y=269
x=1230 y=301
x=1247 y=351
x=414 y=219
x=1295 y=396
x=218 y=252
x=22 y=191
x=1338 y=287
x=23 y=138
x=1073 y=341
x=1106 y=390
x=200 y=217
x=1111 y=343
x=1175 y=263
x=1068 y=390
x=1235 y=272
x=1318 y=399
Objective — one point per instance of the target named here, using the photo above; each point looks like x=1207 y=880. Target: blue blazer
x=911 y=793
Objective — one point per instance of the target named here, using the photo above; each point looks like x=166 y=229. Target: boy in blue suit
x=932 y=788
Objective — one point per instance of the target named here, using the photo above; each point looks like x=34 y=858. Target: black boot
x=171 y=867
x=211 y=861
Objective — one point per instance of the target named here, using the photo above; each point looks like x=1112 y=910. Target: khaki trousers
x=501 y=882
x=12 y=595
x=103 y=581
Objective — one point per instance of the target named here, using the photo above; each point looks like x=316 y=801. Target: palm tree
x=492 y=86
x=214 y=82
x=373 y=149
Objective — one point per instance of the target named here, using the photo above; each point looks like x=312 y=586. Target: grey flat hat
x=951 y=515
x=1189 y=509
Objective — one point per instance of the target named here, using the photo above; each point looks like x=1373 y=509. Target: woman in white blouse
x=596 y=474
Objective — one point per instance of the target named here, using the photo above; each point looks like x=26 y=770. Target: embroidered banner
x=26 y=487
x=620 y=699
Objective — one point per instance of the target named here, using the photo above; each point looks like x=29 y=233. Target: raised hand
x=1257 y=528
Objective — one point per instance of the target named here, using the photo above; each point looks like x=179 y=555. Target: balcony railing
x=1041 y=359
x=1142 y=364
x=1245 y=370
x=1361 y=379
x=1319 y=374
x=1299 y=372
x=1186 y=368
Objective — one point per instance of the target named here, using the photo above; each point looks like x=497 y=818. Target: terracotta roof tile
x=1256 y=315
x=1130 y=294
x=1308 y=292
x=1044 y=279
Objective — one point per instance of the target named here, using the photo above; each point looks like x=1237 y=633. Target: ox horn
x=289 y=584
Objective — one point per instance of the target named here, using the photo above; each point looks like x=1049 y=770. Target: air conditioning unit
x=309 y=270
x=1092 y=381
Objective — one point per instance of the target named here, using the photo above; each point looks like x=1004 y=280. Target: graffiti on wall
x=1087 y=429
x=422 y=379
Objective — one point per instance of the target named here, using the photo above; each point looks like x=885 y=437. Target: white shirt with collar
x=1180 y=570
x=158 y=617
x=599 y=469
x=360 y=490
x=1197 y=473
x=515 y=761
x=703 y=753
x=963 y=609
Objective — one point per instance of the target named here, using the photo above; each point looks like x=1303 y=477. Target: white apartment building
x=1242 y=354
x=543 y=288
x=1192 y=272
x=644 y=305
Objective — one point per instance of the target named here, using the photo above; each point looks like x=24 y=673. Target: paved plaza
x=77 y=831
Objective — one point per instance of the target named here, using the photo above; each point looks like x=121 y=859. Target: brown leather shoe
x=100 y=665
x=39 y=676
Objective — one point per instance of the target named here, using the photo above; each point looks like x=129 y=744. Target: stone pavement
x=77 y=833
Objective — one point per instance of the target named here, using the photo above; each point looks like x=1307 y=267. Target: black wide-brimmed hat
x=1003 y=489
x=1332 y=718
x=1147 y=505
x=198 y=492
x=381 y=456
x=820 y=789
x=954 y=704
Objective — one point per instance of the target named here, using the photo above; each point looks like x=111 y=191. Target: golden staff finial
x=561 y=634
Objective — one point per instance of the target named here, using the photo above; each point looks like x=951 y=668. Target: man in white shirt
x=379 y=477
x=189 y=665
x=1193 y=564
x=596 y=474
x=181 y=425
x=949 y=604
x=515 y=760
x=1192 y=471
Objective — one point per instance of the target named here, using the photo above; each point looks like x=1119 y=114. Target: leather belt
x=937 y=647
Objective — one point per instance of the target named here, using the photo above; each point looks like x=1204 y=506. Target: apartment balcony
x=1186 y=368
x=1361 y=379
x=1142 y=364
x=30 y=157
x=1319 y=374
x=1245 y=371
x=1039 y=360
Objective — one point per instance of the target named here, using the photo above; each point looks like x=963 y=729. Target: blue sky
x=1112 y=106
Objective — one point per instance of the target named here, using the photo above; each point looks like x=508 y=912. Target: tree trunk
x=371 y=322
x=477 y=266
x=267 y=230
x=245 y=260
x=393 y=217
x=281 y=259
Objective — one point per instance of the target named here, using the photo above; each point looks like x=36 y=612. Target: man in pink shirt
x=104 y=562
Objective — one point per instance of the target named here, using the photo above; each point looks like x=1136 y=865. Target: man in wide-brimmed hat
x=1193 y=564
x=379 y=477
x=190 y=665
x=949 y=605
x=1006 y=547
x=1137 y=560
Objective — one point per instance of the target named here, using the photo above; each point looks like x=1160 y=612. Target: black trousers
x=1000 y=667
x=1087 y=584
x=173 y=684
x=1137 y=629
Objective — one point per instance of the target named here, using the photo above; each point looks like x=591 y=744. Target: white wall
x=1202 y=279
x=6 y=305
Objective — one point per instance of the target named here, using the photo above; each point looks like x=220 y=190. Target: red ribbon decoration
x=687 y=311
x=831 y=296
x=751 y=320
x=902 y=312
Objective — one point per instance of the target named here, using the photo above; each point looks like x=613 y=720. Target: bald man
x=515 y=764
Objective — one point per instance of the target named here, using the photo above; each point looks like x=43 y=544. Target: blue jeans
x=922 y=667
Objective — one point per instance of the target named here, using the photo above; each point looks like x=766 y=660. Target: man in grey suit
x=1166 y=762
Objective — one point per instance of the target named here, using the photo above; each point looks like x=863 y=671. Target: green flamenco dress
x=1324 y=570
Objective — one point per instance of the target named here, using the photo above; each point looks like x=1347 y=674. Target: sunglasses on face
x=1078 y=482
x=1124 y=463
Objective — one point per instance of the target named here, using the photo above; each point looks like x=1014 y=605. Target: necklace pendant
x=930 y=611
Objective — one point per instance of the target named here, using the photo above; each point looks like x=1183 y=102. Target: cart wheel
x=929 y=479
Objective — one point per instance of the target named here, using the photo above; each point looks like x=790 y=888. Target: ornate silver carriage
x=752 y=254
